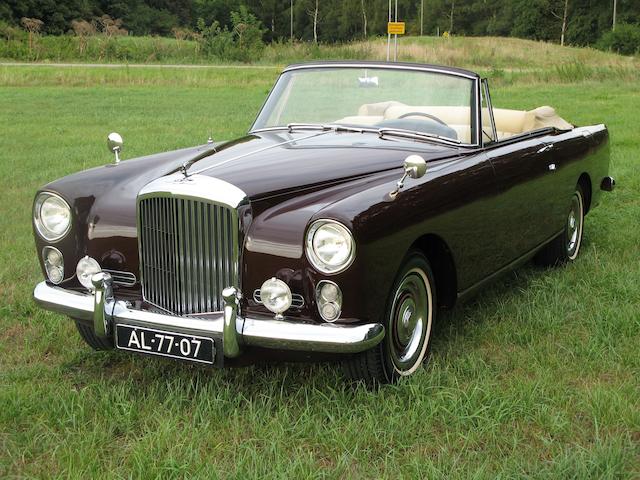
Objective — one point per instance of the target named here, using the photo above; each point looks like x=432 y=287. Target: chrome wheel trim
x=410 y=322
x=575 y=223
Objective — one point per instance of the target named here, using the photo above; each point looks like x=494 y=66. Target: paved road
x=128 y=65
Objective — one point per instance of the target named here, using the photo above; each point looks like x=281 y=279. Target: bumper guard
x=236 y=331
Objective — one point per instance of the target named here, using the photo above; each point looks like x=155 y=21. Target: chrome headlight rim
x=321 y=300
x=49 y=267
x=315 y=260
x=44 y=233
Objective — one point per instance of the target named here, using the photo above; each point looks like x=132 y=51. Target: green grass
x=537 y=377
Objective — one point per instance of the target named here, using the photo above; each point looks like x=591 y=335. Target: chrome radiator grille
x=188 y=253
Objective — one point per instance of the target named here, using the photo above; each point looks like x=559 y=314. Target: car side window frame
x=486 y=96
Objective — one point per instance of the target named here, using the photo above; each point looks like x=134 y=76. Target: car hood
x=262 y=166
x=274 y=163
x=279 y=173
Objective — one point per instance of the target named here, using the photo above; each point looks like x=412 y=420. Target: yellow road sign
x=395 y=28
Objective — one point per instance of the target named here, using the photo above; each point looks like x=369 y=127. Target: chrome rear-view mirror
x=414 y=167
x=114 y=144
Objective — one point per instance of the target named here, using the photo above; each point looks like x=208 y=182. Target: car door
x=459 y=202
x=529 y=194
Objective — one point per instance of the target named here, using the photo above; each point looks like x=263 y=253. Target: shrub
x=9 y=32
x=243 y=43
x=625 y=39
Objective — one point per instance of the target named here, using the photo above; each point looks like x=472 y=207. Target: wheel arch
x=443 y=266
x=585 y=183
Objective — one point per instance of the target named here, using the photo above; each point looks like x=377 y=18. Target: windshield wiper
x=329 y=127
x=398 y=132
x=381 y=132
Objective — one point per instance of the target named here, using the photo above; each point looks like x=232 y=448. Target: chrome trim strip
x=259 y=150
x=287 y=334
x=379 y=66
x=120 y=277
x=297 y=300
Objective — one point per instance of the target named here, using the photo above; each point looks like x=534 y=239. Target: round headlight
x=53 y=264
x=275 y=295
x=330 y=246
x=87 y=268
x=52 y=216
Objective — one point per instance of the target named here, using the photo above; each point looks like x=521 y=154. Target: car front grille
x=188 y=253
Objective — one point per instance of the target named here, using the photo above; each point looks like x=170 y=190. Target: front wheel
x=409 y=318
x=91 y=339
x=566 y=246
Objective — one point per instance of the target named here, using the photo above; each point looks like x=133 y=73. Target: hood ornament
x=114 y=144
x=184 y=168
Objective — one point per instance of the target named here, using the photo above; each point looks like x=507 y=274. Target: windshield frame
x=475 y=101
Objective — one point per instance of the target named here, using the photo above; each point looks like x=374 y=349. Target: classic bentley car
x=364 y=198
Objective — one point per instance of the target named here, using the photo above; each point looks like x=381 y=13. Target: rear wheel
x=409 y=318
x=566 y=246
x=91 y=339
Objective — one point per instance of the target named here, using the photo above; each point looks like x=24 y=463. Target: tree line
x=576 y=22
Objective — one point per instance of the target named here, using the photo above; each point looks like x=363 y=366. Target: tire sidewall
x=570 y=258
x=413 y=261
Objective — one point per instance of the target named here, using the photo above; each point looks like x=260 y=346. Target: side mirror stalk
x=414 y=167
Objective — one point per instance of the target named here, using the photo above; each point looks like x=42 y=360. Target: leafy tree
x=625 y=39
x=339 y=20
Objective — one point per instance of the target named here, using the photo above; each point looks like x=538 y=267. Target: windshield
x=432 y=103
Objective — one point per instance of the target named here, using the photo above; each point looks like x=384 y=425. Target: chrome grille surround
x=188 y=240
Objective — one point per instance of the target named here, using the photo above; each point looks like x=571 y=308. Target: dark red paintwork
x=476 y=212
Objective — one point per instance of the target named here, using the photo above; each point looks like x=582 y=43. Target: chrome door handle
x=552 y=167
x=546 y=148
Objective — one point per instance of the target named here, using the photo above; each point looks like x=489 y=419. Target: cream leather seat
x=508 y=122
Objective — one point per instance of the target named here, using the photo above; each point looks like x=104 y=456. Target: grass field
x=537 y=377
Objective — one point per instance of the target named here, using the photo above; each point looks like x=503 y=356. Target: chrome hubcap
x=410 y=322
x=574 y=226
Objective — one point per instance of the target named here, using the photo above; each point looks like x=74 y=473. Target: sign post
x=394 y=28
x=389 y=35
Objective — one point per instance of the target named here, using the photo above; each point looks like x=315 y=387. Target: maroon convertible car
x=364 y=197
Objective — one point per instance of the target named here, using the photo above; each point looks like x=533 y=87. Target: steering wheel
x=422 y=114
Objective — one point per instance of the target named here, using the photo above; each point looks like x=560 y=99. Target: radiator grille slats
x=188 y=253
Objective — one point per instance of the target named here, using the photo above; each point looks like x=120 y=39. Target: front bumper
x=236 y=332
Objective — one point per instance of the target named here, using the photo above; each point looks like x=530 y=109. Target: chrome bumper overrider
x=236 y=331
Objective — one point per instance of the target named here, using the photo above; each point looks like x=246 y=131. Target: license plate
x=165 y=344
